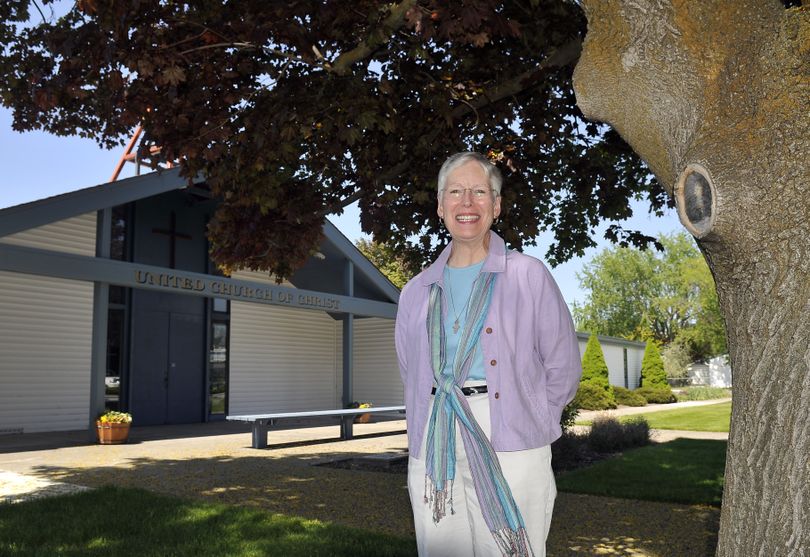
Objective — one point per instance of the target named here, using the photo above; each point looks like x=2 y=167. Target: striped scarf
x=450 y=407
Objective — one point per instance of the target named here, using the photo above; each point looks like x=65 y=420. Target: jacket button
x=497 y=395
x=489 y=330
x=493 y=362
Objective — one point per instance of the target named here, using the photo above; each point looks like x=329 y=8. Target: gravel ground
x=223 y=468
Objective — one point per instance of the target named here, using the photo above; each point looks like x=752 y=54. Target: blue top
x=458 y=283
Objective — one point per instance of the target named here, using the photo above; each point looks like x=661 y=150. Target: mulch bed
x=569 y=452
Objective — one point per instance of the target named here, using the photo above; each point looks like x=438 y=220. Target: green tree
x=294 y=110
x=594 y=367
x=595 y=392
x=652 y=368
x=392 y=265
x=620 y=284
x=670 y=294
x=677 y=358
x=706 y=336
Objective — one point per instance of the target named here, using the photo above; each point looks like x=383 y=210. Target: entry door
x=168 y=371
x=186 y=365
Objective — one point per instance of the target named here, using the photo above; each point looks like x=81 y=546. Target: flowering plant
x=113 y=417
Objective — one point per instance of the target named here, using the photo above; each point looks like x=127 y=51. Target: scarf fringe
x=438 y=499
x=512 y=543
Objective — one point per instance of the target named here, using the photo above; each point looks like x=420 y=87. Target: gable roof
x=605 y=339
x=94 y=198
x=324 y=274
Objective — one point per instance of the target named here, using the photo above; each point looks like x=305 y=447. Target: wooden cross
x=173 y=235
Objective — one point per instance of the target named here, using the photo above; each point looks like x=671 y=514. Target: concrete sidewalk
x=630 y=410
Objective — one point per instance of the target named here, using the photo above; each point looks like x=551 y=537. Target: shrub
x=656 y=395
x=593 y=397
x=636 y=431
x=569 y=416
x=595 y=372
x=627 y=397
x=703 y=393
x=606 y=434
x=594 y=367
x=570 y=451
x=652 y=367
x=609 y=435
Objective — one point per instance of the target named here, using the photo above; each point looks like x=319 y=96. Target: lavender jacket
x=531 y=355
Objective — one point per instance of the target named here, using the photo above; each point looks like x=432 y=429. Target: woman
x=489 y=358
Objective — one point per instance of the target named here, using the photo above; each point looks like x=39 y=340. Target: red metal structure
x=138 y=155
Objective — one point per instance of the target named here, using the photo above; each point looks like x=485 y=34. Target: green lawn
x=681 y=471
x=712 y=417
x=119 y=522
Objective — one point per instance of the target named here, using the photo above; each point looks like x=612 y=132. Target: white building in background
x=623 y=358
x=714 y=373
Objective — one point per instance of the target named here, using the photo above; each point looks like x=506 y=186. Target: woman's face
x=468 y=217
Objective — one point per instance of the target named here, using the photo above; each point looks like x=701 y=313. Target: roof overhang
x=86 y=200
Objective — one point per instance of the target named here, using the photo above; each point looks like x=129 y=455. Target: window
x=220 y=305
x=218 y=367
x=626 y=381
x=115 y=357
x=119 y=243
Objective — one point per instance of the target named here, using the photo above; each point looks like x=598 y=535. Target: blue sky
x=36 y=165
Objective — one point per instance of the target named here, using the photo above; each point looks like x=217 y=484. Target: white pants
x=465 y=533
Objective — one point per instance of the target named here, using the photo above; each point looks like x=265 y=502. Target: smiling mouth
x=467 y=218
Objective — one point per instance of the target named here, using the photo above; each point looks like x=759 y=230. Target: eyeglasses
x=477 y=192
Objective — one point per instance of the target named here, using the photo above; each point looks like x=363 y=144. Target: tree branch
x=563 y=56
x=217 y=45
x=34 y=2
x=389 y=25
x=566 y=54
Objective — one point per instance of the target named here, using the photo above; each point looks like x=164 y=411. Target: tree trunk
x=715 y=96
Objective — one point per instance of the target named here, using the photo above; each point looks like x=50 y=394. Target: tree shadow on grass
x=688 y=471
x=653 y=500
x=128 y=522
x=288 y=486
x=591 y=525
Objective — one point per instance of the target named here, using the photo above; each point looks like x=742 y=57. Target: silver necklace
x=456 y=325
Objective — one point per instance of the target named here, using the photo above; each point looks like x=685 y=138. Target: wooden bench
x=261 y=423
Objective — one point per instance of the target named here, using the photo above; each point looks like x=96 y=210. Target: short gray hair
x=492 y=172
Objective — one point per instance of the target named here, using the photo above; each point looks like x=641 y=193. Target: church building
x=108 y=300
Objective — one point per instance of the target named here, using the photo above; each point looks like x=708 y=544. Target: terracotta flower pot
x=112 y=434
x=362 y=419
